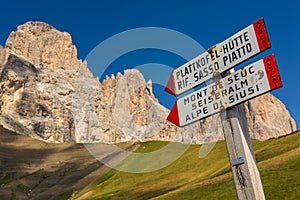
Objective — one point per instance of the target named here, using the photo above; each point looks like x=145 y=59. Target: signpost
x=241 y=46
x=225 y=95
x=246 y=83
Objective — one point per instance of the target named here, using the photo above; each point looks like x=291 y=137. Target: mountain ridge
x=55 y=98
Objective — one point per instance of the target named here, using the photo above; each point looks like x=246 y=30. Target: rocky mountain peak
x=49 y=94
x=44 y=46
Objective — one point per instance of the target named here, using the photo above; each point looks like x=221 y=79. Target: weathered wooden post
x=240 y=151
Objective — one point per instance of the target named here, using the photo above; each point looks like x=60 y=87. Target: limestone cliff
x=48 y=93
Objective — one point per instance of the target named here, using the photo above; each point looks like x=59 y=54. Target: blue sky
x=207 y=22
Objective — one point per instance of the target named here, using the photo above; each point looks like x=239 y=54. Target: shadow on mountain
x=34 y=169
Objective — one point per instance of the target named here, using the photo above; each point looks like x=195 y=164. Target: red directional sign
x=240 y=86
x=243 y=45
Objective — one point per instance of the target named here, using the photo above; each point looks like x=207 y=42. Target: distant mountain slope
x=209 y=178
x=39 y=170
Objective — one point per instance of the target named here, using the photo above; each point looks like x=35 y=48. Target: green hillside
x=31 y=168
x=209 y=178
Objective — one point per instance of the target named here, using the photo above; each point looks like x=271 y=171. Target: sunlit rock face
x=49 y=94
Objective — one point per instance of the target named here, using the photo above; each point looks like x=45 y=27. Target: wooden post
x=242 y=159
